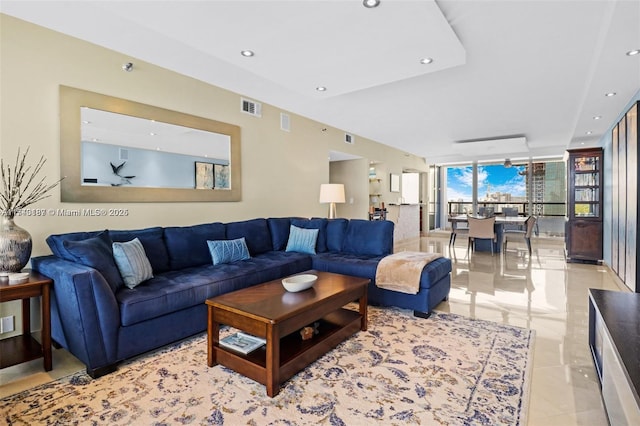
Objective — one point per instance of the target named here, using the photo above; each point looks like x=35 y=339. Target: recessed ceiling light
x=151 y=134
x=633 y=52
x=247 y=53
x=425 y=61
x=597 y=117
x=610 y=94
x=370 y=4
x=588 y=132
x=86 y=122
x=321 y=89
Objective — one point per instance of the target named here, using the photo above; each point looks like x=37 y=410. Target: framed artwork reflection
x=204 y=175
x=395 y=183
x=221 y=176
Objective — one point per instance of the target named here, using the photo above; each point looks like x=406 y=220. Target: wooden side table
x=18 y=349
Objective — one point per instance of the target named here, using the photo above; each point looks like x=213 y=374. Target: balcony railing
x=551 y=216
x=538 y=208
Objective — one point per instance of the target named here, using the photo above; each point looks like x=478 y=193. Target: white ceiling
x=502 y=71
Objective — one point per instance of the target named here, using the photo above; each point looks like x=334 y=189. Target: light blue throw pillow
x=302 y=240
x=227 y=251
x=132 y=262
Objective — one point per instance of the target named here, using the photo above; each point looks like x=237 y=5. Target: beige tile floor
x=543 y=293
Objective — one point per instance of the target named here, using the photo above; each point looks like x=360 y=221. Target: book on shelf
x=242 y=342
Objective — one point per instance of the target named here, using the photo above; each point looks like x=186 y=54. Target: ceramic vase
x=15 y=246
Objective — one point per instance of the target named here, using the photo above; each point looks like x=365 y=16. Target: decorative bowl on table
x=299 y=282
x=18 y=277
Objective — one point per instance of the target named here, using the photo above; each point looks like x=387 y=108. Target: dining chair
x=457 y=227
x=482 y=229
x=519 y=234
x=486 y=211
x=510 y=212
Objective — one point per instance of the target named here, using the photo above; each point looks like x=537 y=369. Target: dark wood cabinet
x=584 y=205
x=614 y=339
x=624 y=198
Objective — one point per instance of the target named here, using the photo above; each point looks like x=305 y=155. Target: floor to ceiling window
x=531 y=188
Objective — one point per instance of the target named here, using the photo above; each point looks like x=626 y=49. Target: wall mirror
x=115 y=150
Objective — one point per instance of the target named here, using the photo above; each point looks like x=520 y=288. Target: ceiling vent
x=501 y=146
x=285 y=122
x=350 y=139
x=251 y=107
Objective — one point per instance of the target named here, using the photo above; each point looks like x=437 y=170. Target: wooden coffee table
x=270 y=312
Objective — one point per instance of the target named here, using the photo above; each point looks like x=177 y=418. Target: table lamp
x=332 y=193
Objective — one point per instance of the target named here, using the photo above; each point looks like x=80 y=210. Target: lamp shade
x=332 y=193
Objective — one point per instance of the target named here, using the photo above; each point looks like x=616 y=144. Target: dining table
x=501 y=221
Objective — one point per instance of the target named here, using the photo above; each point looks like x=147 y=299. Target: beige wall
x=353 y=174
x=281 y=171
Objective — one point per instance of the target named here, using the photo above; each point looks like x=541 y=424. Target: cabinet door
x=585 y=239
x=632 y=200
x=585 y=196
x=622 y=199
x=615 y=200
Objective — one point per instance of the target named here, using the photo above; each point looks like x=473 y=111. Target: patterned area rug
x=447 y=369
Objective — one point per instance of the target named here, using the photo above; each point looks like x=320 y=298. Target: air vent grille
x=285 y=122
x=251 y=107
x=350 y=139
x=124 y=154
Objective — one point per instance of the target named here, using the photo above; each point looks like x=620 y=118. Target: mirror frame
x=71 y=99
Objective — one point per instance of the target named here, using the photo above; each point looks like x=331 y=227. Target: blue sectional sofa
x=102 y=322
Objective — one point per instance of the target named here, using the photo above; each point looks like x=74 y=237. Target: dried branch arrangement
x=21 y=186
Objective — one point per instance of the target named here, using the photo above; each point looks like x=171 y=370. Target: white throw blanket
x=401 y=271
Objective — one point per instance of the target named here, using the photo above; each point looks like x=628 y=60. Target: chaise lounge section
x=102 y=321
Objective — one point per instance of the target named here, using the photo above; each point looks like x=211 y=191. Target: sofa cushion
x=227 y=251
x=302 y=240
x=132 y=262
x=348 y=264
x=152 y=240
x=175 y=290
x=372 y=238
x=279 y=229
x=187 y=245
x=256 y=233
x=336 y=231
x=96 y=252
x=56 y=243
x=316 y=223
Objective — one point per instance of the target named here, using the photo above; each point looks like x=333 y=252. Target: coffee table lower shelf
x=295 y=353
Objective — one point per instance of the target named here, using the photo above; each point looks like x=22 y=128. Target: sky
x=498 y=177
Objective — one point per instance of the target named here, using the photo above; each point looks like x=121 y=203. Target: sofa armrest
x=85 y=308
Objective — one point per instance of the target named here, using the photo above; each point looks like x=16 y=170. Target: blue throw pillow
x=302 y=240
x=227 y=251
x=132 y=262
x=314 y=223
x=96 y=252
